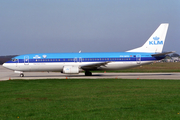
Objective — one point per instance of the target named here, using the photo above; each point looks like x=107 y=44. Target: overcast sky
x=39 y=26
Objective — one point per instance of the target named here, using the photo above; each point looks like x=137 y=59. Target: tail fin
x=156 y=42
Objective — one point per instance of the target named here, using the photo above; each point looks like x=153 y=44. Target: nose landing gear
x=20 y=72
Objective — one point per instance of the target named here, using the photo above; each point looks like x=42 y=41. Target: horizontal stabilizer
x=161 y=54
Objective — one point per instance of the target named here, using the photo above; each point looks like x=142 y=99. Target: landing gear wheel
x=21 y=75
x=87 y=73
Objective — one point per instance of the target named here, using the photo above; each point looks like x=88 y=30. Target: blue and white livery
x=73 y=63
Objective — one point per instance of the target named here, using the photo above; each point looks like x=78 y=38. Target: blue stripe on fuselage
x=85 y=57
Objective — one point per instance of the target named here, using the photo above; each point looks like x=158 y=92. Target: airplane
x=74 y=63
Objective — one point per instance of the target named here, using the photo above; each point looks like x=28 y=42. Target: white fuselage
x=32 y=67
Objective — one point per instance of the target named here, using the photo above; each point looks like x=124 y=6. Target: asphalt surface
x=6 y=74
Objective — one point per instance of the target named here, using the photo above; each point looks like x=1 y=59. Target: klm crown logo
x=156 y=41
x=156 y=38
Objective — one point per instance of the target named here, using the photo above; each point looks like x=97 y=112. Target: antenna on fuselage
x=80 y=51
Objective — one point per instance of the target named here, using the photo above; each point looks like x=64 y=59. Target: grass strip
x=90 y=99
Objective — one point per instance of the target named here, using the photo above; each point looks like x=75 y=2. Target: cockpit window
x=14 y=59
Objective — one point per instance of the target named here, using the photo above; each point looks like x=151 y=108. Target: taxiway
x=6 y=74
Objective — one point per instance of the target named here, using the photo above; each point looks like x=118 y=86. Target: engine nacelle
x=70 y=69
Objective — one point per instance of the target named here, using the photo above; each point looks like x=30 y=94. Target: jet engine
x=70 y=70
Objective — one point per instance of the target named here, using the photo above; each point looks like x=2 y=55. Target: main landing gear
x=87 y=73
x=21 y=75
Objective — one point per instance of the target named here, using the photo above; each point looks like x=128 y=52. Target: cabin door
x=17 y=62
x=138 y=59
x=26 y=60
x=78 y=60
x=75 y=60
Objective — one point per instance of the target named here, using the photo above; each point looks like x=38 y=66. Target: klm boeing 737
x=74 y=63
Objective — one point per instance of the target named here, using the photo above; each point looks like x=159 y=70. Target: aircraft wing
x=94 y=66
x=161 y=54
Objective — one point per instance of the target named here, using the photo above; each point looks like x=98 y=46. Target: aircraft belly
x=116 y=66
x=122 y=65
x=41 y=67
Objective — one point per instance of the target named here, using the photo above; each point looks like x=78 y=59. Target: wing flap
x=93 y=65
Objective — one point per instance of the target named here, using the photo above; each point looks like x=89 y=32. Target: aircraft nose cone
x=4 y=65
x=9 y=66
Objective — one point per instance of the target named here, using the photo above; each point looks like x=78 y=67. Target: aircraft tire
x=21 y=75
x=87 y=73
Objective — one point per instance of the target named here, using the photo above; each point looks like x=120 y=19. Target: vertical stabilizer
x=156 y=42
